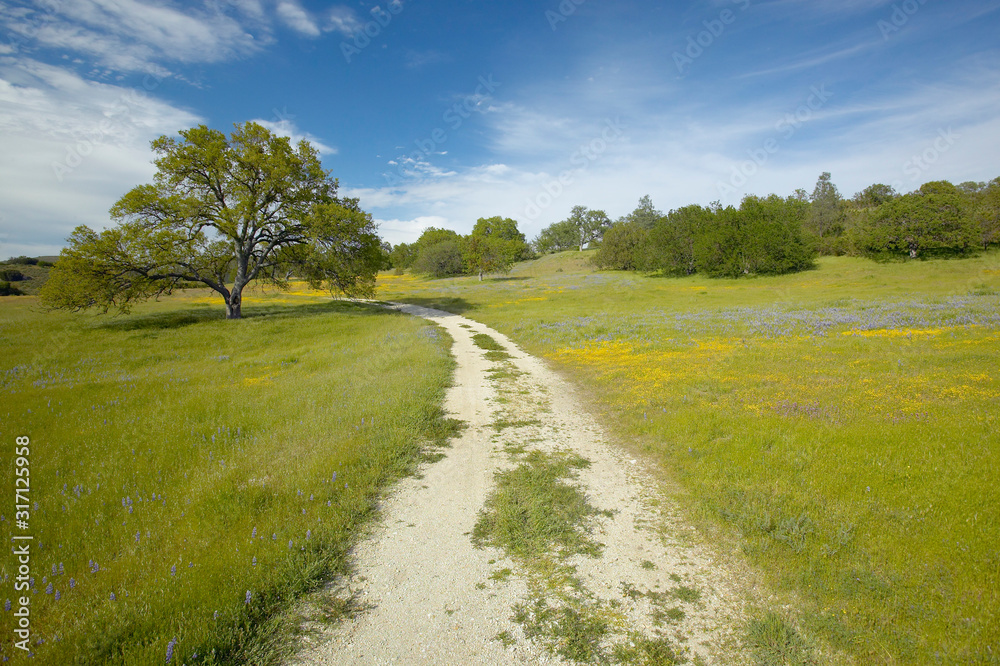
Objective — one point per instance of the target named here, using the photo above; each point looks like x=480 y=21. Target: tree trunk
x=480 y=276
x=234 y=306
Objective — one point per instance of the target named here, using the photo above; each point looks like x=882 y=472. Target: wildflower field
x=840 y=427
x=191 y=478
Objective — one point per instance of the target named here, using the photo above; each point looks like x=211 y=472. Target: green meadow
x=840 y=427
x=192 y=478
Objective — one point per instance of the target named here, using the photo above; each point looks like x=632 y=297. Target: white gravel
x=427 y=591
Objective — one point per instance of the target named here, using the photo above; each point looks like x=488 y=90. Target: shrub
x=7 y=290
x=440 y=260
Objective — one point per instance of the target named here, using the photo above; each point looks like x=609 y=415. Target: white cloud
x=407 y=231
x=296 y=18
x=679 y=149
x=288 y=128
x=134 y=36
x=80 y=145
x=344 y=20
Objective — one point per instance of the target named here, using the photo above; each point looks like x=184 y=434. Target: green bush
x=440 y=260
x=7 y=290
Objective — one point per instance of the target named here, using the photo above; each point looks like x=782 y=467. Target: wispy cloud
x=344 y=20
x=295 y=17
x=286 y=127
x=810 y=60
x=133 y=36
x=419 y=59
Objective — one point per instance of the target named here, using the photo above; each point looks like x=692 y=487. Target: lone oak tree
x=223 y=213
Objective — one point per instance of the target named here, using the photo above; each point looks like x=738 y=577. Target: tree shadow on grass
x=447 y=303
x=188 y=316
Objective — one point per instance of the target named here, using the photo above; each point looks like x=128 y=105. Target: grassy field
x=191 y=477
x=841 y=426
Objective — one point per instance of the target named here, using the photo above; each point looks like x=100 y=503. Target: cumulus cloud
x=80 y=145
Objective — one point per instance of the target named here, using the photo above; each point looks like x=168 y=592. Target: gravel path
x=430 y=597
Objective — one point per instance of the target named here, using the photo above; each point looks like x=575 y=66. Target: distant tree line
x=494 y=246
x=774 y=235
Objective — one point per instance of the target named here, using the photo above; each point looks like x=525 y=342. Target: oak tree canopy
x=223 y=212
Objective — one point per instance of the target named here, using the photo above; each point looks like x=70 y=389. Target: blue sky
x=437 y=113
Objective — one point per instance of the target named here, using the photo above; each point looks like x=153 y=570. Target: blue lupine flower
x=6 y=606
x=248 y=596
x=170 y=649
x=48 y=589
x=253 y=535
x=72 y=583
x=57 y=595
x=113 y=597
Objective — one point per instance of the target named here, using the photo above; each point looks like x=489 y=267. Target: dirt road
x=430 y=596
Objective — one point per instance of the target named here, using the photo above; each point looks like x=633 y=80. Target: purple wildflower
x=57 y=595
x=113 y=597
x=173 y=570
x=6 y=606
x=309 y=534
x=248 y=596
x=72 y=583
x=48 y=589
x=254 y=563
x=170 y=649
x=253 y=535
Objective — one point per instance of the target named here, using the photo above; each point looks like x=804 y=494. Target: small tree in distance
x=494 y=245
x=223 y=213
x=590 y=224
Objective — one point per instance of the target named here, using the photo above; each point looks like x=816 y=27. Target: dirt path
x=431 y=597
